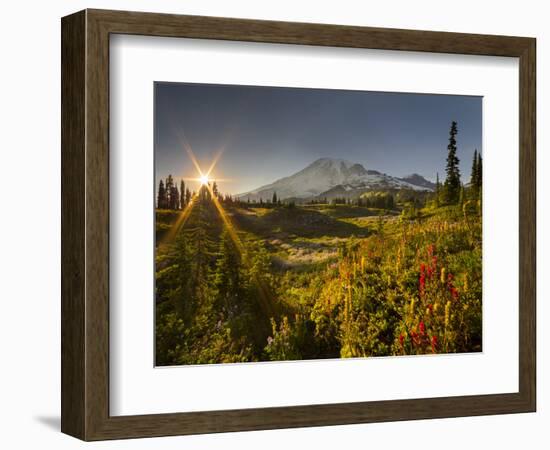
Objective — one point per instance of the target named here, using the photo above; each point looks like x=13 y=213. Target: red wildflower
x=422 y=279
x=434 y=343
x=454 y=293
x=422 y=328
x=431 y=248
x=422 y=282
x=414 y=337
x=401 y=339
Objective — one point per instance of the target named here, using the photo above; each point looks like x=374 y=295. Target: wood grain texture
x=73 y=226
x=85 y=224
x=527 y=224
x=151 y=24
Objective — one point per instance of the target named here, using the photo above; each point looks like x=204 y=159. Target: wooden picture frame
x=85 y=224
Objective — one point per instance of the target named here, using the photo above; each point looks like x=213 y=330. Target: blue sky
x=269 y=133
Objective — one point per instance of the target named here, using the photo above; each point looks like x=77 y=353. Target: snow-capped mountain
x=329 y=174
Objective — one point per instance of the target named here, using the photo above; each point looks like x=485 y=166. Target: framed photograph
x=273 y=225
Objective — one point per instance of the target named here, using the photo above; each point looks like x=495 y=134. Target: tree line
x=169 y=196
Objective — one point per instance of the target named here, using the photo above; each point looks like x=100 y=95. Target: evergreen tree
x=181 y=295
x=187 y=196
x=202 y=193
x=474 y=176
x=227 y=278
x=437 y=190
x=479 y=177
x=452 y=182
x=274 y=199
x=176 y=198
x=215 y=189
x=182 y=195
x=390 y=203
x=161 y=197
x=169 y=186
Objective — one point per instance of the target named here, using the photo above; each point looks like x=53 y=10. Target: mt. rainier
x=329 y=177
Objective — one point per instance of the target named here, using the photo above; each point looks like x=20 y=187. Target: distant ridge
x=419 y=180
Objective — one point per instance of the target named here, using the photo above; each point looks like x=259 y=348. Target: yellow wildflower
x=447 y=313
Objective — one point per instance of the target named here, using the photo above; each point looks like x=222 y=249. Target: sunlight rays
x=217 y=157
x=205 y=179
x=265 y=297
x=180 y=221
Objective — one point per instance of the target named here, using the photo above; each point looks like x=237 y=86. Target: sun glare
x=204 y=180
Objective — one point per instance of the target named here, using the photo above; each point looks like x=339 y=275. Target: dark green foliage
x=452 y=182
x=476 y=177
x=212 y=306
x=215 y=189
x=182 y=195
x=381 y=200
x=437 y=190
x=169 y=196
x=169 y=186
x=227 y=280
x=181 y=279
x=187 y=196
x=474 y=174
x=479 y=174
x=175 y=197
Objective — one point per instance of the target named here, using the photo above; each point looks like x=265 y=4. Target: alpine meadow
x=300 y=224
